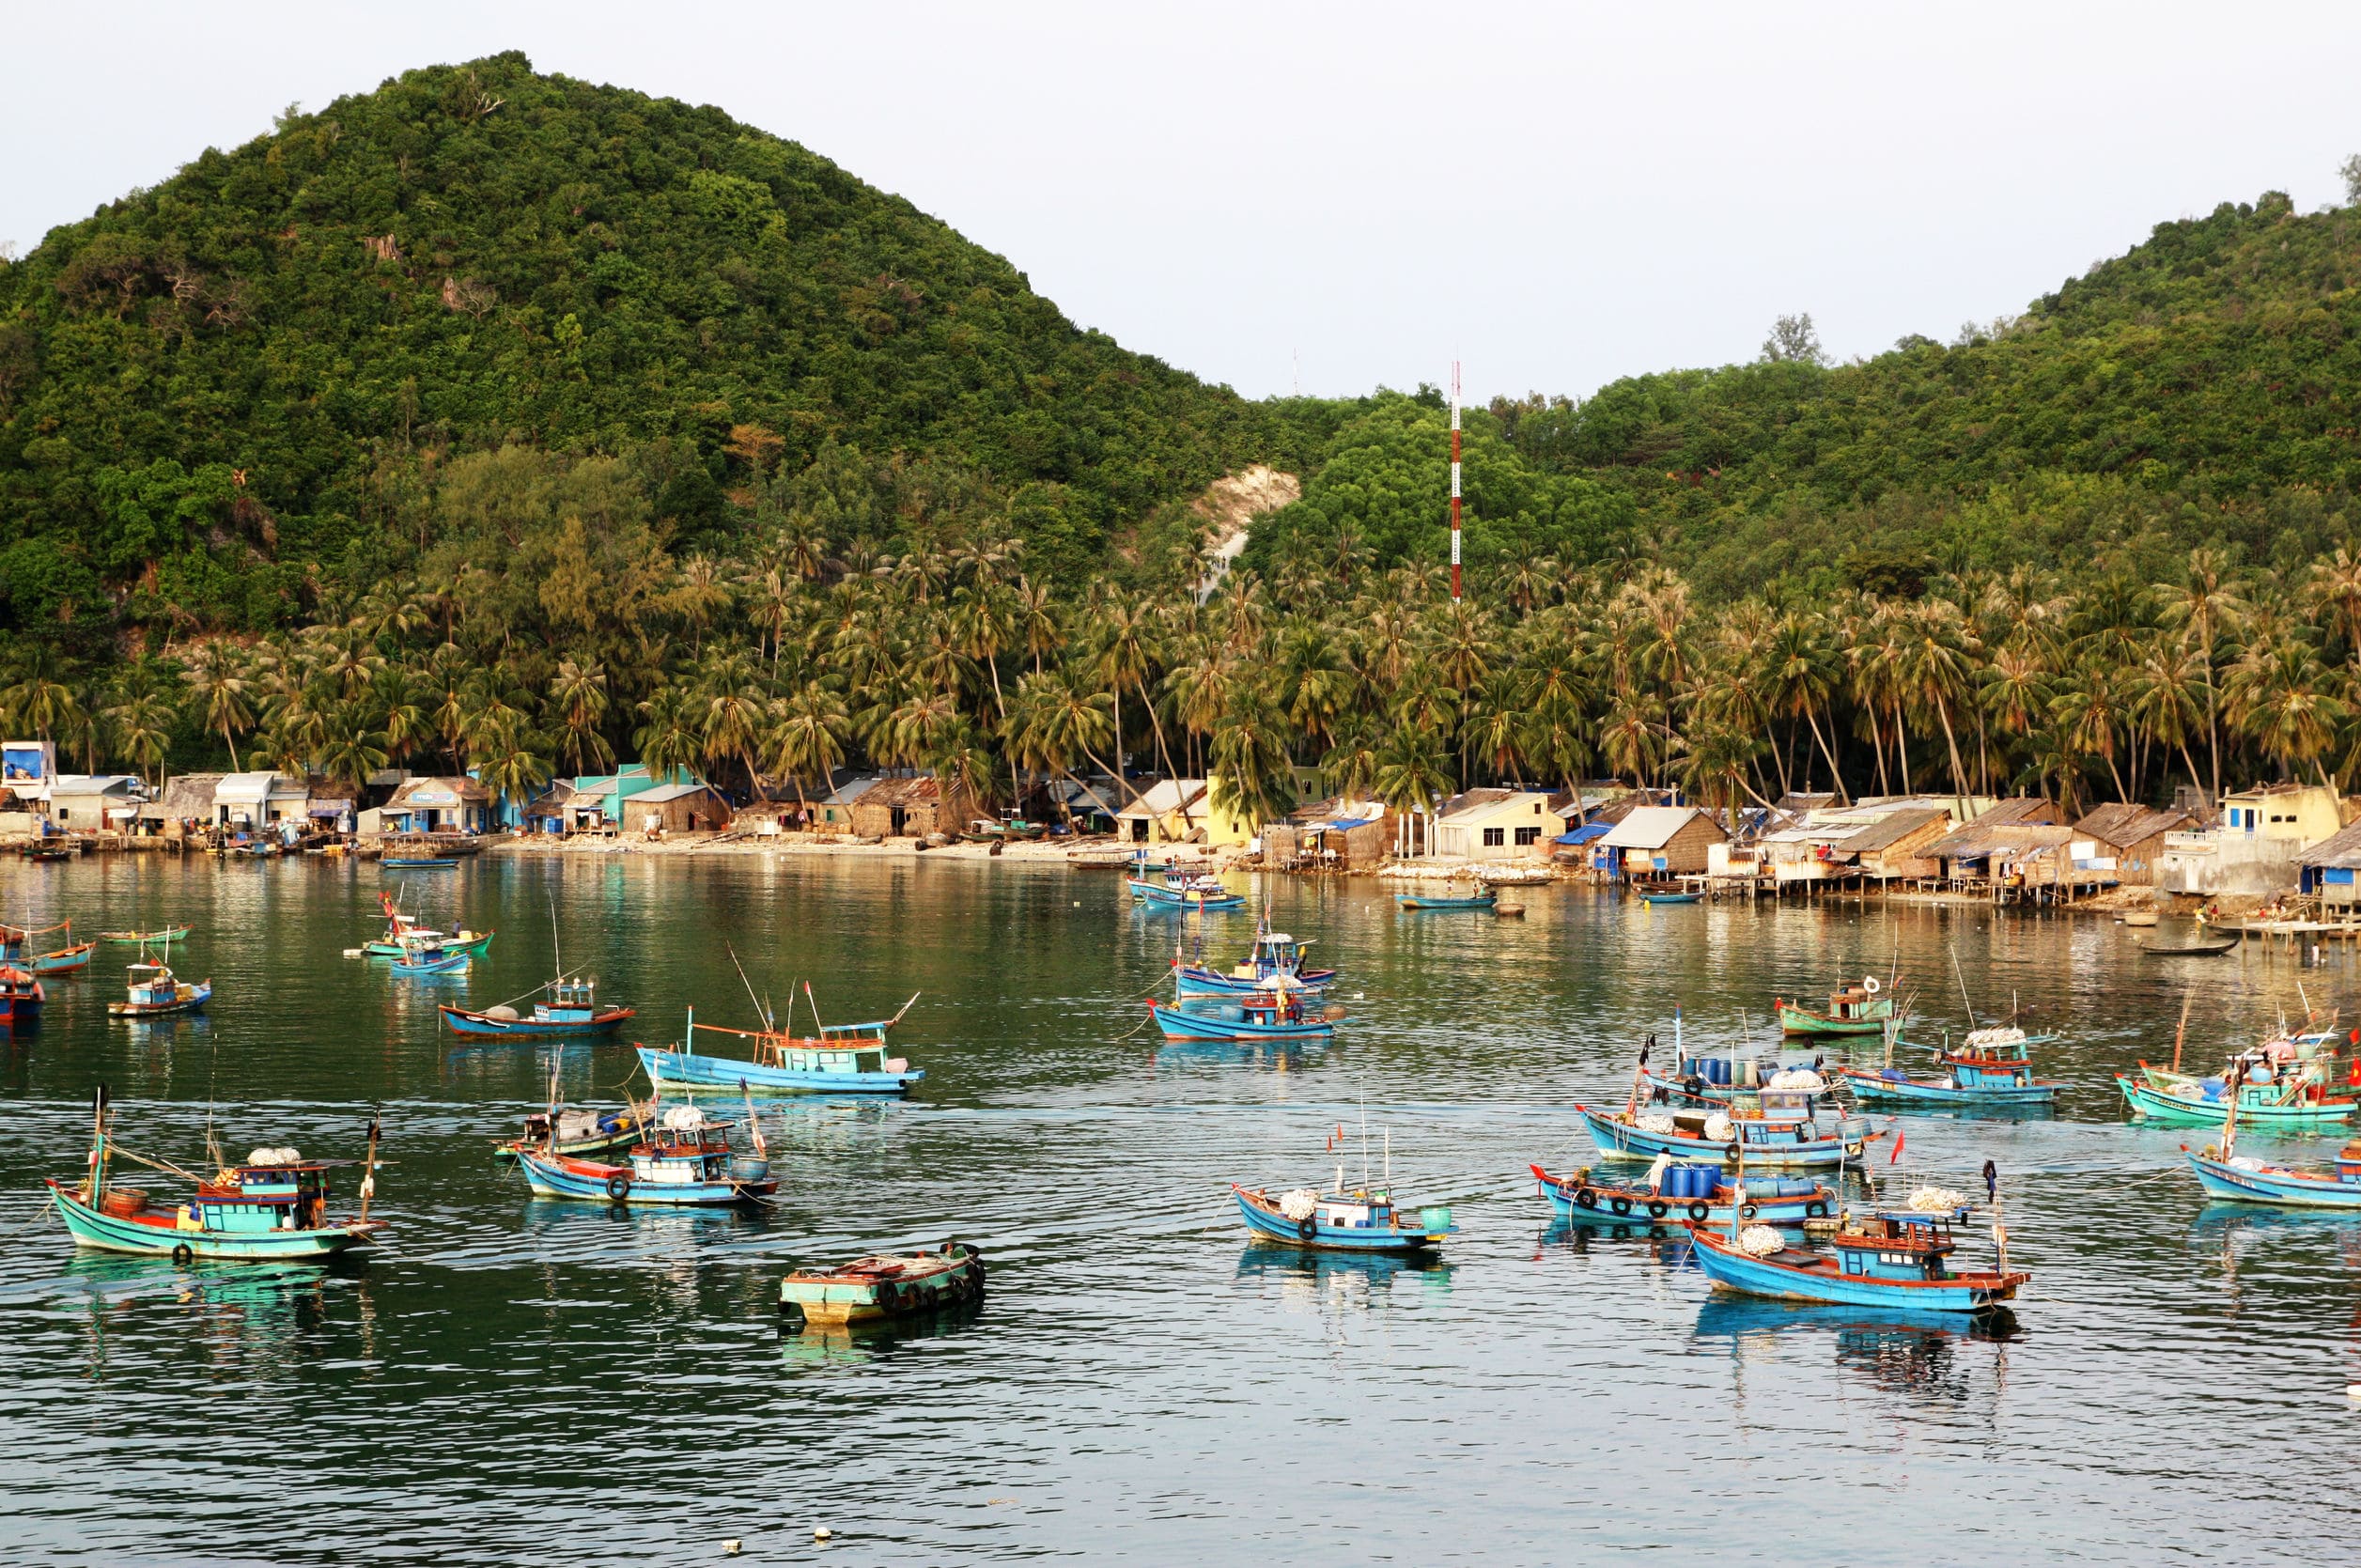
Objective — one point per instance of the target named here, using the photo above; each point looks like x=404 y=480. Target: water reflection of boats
x=1269 y=1260
x=1739 y=1317
x=2226 y=1220
x=815 y=1345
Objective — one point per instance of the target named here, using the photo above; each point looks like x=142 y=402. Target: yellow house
x=2301 y=814
x=1225 y=827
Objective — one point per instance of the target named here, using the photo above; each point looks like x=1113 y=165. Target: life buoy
x=1747 y=1211
x=1658 y=1208
x=1699 y=1210
x=1308 y=1228
x=1586 y=1198
x=182 y=1252
x=618 y=1186
x=1815 y=1210
x=1869 y=984
x=1621 y=1206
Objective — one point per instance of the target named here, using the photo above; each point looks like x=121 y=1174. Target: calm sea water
x=513 y=1380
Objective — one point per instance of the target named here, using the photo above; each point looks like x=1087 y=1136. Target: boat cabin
x=1995 y=1045
x=1275 y=953
x=697 y=1152
x=840 y=1048
x=1272 y=1005
x=1898 y=1244
x=1968 y=1072
x=250 y=1198
x=570 y=1002
x=1857 y=1004
x=153 y=986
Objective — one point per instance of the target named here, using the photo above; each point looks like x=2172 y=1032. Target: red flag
x=1898 y=1137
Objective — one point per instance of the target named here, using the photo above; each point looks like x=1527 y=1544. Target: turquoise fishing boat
x=1179 y=892
x=1672 y=897
x=1889 y=1259
x=1855 y=1010
x=1275 y=953
x=1362 y=1220
x=417 y=863
x=398 y=925
x=578 y=1130
x=423 y=955
x=274 y=1205
x=154 y=991
x=1992 y=1069
x=2225 y=1173
x=684 y=1162
x=884 y=1285
x=1278 y=1010
x=570 y=1010
x=1701 y=1193
x=2292 y=1100
x=1484 y=900
x=1787 y=1133
x=843 y=1058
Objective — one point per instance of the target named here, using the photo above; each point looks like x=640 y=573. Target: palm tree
x=1411 y=773
x=1051 y=725
x=350 y=750
x=1937 y=664
x=1251 y=778
x=806 y=736
x=668 y=736
x=2205 y=604
x=579 y=693
x=2278 y=696
x=142 y=723
x=728 y=710
x=218 y=677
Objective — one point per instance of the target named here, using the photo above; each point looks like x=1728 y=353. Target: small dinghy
x=886 y=1284
x=2209 y=949
x=168 y=934
x=1484 y=900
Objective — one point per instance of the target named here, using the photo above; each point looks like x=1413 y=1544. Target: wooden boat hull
x=1803 y=1021
x=61 y=961
x=1595 y=1202
x=1870 y=1085
x=201 y=993
x=2189 y=950
x=592 y=1182
x=1414 y=901
x=16 y=1012
x=919 y=1282
x=474 y=945
x=1625 y=1141
x=1741 y=1274
x=1157 y=897
x=528 y=1027
x=2173 y=1109
x=170 y=934
x=157 y=1236
x=688 y=1070
x=1334 y=1238
x=450 y=965
x=2282 y=1187
x=1178 y=1024
x=416 y=864
x=1194 y=981
x=1672 y=897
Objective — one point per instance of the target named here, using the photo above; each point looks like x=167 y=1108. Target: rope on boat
x=39 y=1214
x=165 y=1166
x=543 y=986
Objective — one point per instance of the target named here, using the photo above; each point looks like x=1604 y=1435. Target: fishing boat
x=422 y=954
x=570 y=1009
x=1789 y=1132
x=154 y=991
x=1484 y=900
x=882 y=1285
x=1274 y=953
x=987 y=829
x=271 y=1205
x=685 y=1161
x=1672 y=897
x=2213 y=948
x=398 y=925
x=1893 y=1258
x=168 y=934
x=64 y=960
x=2225 y=1174
x=21 y=997
x=1992 y=1067
x=1183 y=891
x=416 y=862
x=1855 y=1010
x=843 y=1058
x=1278 y=1009
x=578 y=1130
x=2294 y=1103
x=47 y=853
x=1701 y=1193
x=1362 y=1220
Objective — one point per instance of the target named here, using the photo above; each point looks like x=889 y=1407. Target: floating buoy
x=729 y=1548
x=821 y=1532
x=355 y=952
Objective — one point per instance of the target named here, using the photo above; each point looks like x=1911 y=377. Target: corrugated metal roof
x=1650 y=826
x=1890 y=830
x=2123 y=826
x=663 y=793
x=1991 y=838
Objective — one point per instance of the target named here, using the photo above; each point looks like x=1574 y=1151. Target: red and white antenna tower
x=1454 y=481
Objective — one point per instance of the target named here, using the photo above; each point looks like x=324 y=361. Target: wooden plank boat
x=2212 y=949
x=1855 y=1010
x=1704 y=1196
x=425 y=955
x=2298 y=1107
x=1672 y=897
x=571 y=1009
x=1362 y=1220
x=472 y=942
x=1992 y=1067
x=273 y=1206
x=416 y=862
x=2225 y=1173
x=1427 y=901
x=1273 y=953
x=1195 y=893
x=579 y=1130
x=47 y=853
x=1895 y=1258
x=1780 y=1137
x=843 y=1058
x=685 y=1162
x=21 y=997
x=64 y=960
x=155 y=991
x=167 y=934
x=883 y=1285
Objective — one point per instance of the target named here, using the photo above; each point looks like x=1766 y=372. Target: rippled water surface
x=513 y=1380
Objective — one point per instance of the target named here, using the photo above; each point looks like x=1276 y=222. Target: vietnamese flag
x=1898 y=1137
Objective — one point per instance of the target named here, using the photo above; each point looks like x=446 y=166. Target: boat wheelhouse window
x=1852 y=1262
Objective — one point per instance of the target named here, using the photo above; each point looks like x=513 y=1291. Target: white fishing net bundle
x=1759 y=1241
x=1300 y=1204
x=684 y=1118
x=267 y=1155
x=1719 y=1128
x=1656 y=1122
x=1797 y=1077
x=1936 y=1200
x=2186 y=1092
x=2005 y=1037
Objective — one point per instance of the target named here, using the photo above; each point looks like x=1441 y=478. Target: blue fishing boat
x=684 y=1162
x=21 y=997
x=398 y=925
x=1702 y=1193
x=1279 y=1010
x=422 y=954
x=571 y=1009
x=155 y=991
x=1362 y=1220
x=843 y=1058
x=1183 y=891
x=2225 y=1173
x=1787 y=1133
x=2293 y=1098
x=1484 y=900
x=417 y=863
x=1672 y=897
x=1889 y=1258
x=1274 y=953
x=64 y=960
x=272 y=1205
x=1993 y=1068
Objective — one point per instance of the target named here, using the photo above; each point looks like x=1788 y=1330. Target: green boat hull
x=475 y=945
x=107 y=1232
x=2174 y=1111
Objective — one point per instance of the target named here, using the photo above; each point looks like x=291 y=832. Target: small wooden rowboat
x=1690 y=1192
x=1891 y=1258
x=416 y=862
x=64 y=960
x=2212 y=949
x=1425 y=901
x=578 y=1130
x=168 y=934
x=1671 y=897
x=1341 y=1221
x=883 y=1285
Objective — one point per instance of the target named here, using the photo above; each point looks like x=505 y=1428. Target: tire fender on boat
x=1658 y=1208
x=1747 y=1211
x=1816 y=1210
x=1586 y=1198
x=1621 y=1206
x=1308 y=1228
x=1699 y=1210
x=619 y=1186
x=183 y=1253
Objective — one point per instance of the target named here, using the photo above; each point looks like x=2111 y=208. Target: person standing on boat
x=1656 y=1172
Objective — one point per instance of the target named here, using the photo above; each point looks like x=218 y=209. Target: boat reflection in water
x=256 y=1317
x=1911 y=1353
x=812 y=1344
x=1304 y=1276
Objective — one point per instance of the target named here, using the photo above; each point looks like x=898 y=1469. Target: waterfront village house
x=682 y=808
x=911 y=808
x=552 y=810
x=1896 y=845
x=2132 y=837
x=1497 y=825
x=187 y=804
x=1338 y=832
x=1172 y=810
x=1227 y=830
x=95 y=802
x=1663 y=841
x=2329 y=867
x=439 y=805
x=332 y=805
x=599 y=799
x=2011 y=854
x=241 y=800
x=2256 y=849
x=833 y=813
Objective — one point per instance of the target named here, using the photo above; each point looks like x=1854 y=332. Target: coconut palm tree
x=669 y=736
x=1051 y=724
x=2278 y=696
x=2206 y=606
x=1250 y=777
x=806 y=736
x=350 y=750
x=579 y=694
x=217 y=677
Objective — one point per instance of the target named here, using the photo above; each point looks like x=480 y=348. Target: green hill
x=220 y=395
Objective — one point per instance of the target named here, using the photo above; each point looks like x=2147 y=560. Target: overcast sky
x=1355 y=195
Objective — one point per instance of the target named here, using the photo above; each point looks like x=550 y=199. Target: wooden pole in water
x=368 y=1170
x=2179 y=1033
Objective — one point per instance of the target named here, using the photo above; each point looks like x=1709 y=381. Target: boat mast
x=368 y=1170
